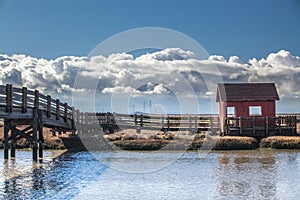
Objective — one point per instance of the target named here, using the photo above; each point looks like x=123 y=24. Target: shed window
x=255 y=110
x=230 y=111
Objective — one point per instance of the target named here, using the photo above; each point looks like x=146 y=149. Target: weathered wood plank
x=57 y=109
x=65 y=111
x=36 y=99
x=24 y=99
x=9 y=98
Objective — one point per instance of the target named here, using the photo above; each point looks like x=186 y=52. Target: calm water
x=140 y=175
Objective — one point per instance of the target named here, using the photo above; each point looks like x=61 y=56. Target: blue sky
x=249 y=41
x=52 y=28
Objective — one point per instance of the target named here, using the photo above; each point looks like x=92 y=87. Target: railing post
x=113 y=122
x=163 y=123
x=141 y=122
x=8 y=98
x=36 y=99
x=241 y=125
x=196 y=124
x=295 y=125
x=168 y=120
x=57 y=109
x=135 y=121
x=24 y=99
x=253 y=126
x=48 y=105
x=65 y=112
x=225 y=127
x=73 y=120
x=190 y=123
x=279 y=123
x=108 y=121
x=267 y=126
x=211 y=124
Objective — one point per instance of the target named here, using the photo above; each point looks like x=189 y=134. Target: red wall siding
x=242 y=108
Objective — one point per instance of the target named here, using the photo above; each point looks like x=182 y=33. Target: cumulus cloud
x=168 y=54
x=119 y=90
x=217 y=58
x=171 y=70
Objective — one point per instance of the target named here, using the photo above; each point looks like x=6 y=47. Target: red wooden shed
x=246 y=100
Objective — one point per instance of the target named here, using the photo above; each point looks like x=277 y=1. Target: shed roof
x=246 y=92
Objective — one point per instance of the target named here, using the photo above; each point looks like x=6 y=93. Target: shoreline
x=171 y=141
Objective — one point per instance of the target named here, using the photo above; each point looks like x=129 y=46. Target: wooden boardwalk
x=111 y=122
x=32 y=111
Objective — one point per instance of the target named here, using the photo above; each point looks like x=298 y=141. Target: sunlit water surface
x=257 y=174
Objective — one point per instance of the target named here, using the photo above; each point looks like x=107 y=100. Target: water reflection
x=221 y=175
x=250 y=174
x=50 y=180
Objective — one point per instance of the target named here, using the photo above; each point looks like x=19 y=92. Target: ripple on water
x=221 y=175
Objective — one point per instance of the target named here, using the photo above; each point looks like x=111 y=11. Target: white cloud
x=168 y=54
x=168 y=70
x=235 y=59
x=120 y=90
x=217 y=58
x=158 y=89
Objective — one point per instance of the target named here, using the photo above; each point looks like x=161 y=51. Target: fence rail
x=112 y=122
x=261 y=126
x=20 y=98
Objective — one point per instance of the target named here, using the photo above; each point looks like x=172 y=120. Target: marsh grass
x=236 y=143
x=226 y=143
x=281 y=142
x=219 y=143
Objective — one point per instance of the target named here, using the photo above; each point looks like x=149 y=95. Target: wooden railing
x=21 y=98
x=261 y=126
x=111 y=122
x=20 y=106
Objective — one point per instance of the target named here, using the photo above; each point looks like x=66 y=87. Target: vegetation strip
x=168 y=141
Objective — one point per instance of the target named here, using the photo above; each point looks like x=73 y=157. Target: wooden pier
x=32 y=111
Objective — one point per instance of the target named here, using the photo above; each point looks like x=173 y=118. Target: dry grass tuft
x=281 y=142
x=235 y=143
